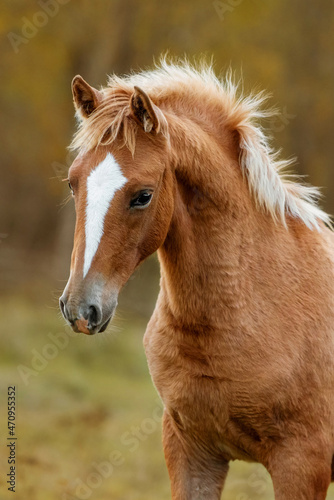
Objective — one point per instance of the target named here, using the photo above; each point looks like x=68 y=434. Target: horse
x=240 y=345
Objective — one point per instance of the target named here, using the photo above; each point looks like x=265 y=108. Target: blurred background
x=88 y=417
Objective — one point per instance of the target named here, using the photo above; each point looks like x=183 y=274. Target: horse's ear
x=86 y=98
x=147 y=114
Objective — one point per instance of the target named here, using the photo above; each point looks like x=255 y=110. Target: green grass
x=83 y=410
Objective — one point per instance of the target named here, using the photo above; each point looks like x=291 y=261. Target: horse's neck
x=206 y=254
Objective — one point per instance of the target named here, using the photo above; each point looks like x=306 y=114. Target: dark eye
x=69 y=185
x=141 y=200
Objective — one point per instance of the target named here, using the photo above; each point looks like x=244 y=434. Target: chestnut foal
x=241 y=342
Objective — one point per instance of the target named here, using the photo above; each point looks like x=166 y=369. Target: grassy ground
x=88 y=417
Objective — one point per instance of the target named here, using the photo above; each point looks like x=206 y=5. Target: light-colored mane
x=272 y=190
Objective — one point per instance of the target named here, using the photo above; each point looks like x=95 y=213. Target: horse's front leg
x=192 y=475
x=301 y=470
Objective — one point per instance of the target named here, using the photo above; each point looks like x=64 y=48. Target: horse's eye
x=141 y=200
x=69 y=185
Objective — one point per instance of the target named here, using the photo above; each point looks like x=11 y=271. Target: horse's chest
x=187 y=383
x=202 y=399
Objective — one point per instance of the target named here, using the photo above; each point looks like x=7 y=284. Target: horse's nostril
x=65 y=311
x=94 y=315
x=62 y=307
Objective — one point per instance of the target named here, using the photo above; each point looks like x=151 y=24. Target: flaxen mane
x=168 y=86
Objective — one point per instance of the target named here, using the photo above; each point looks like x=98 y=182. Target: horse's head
x=123 y=202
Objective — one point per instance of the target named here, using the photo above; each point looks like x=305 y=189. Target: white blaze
x=102 y=184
